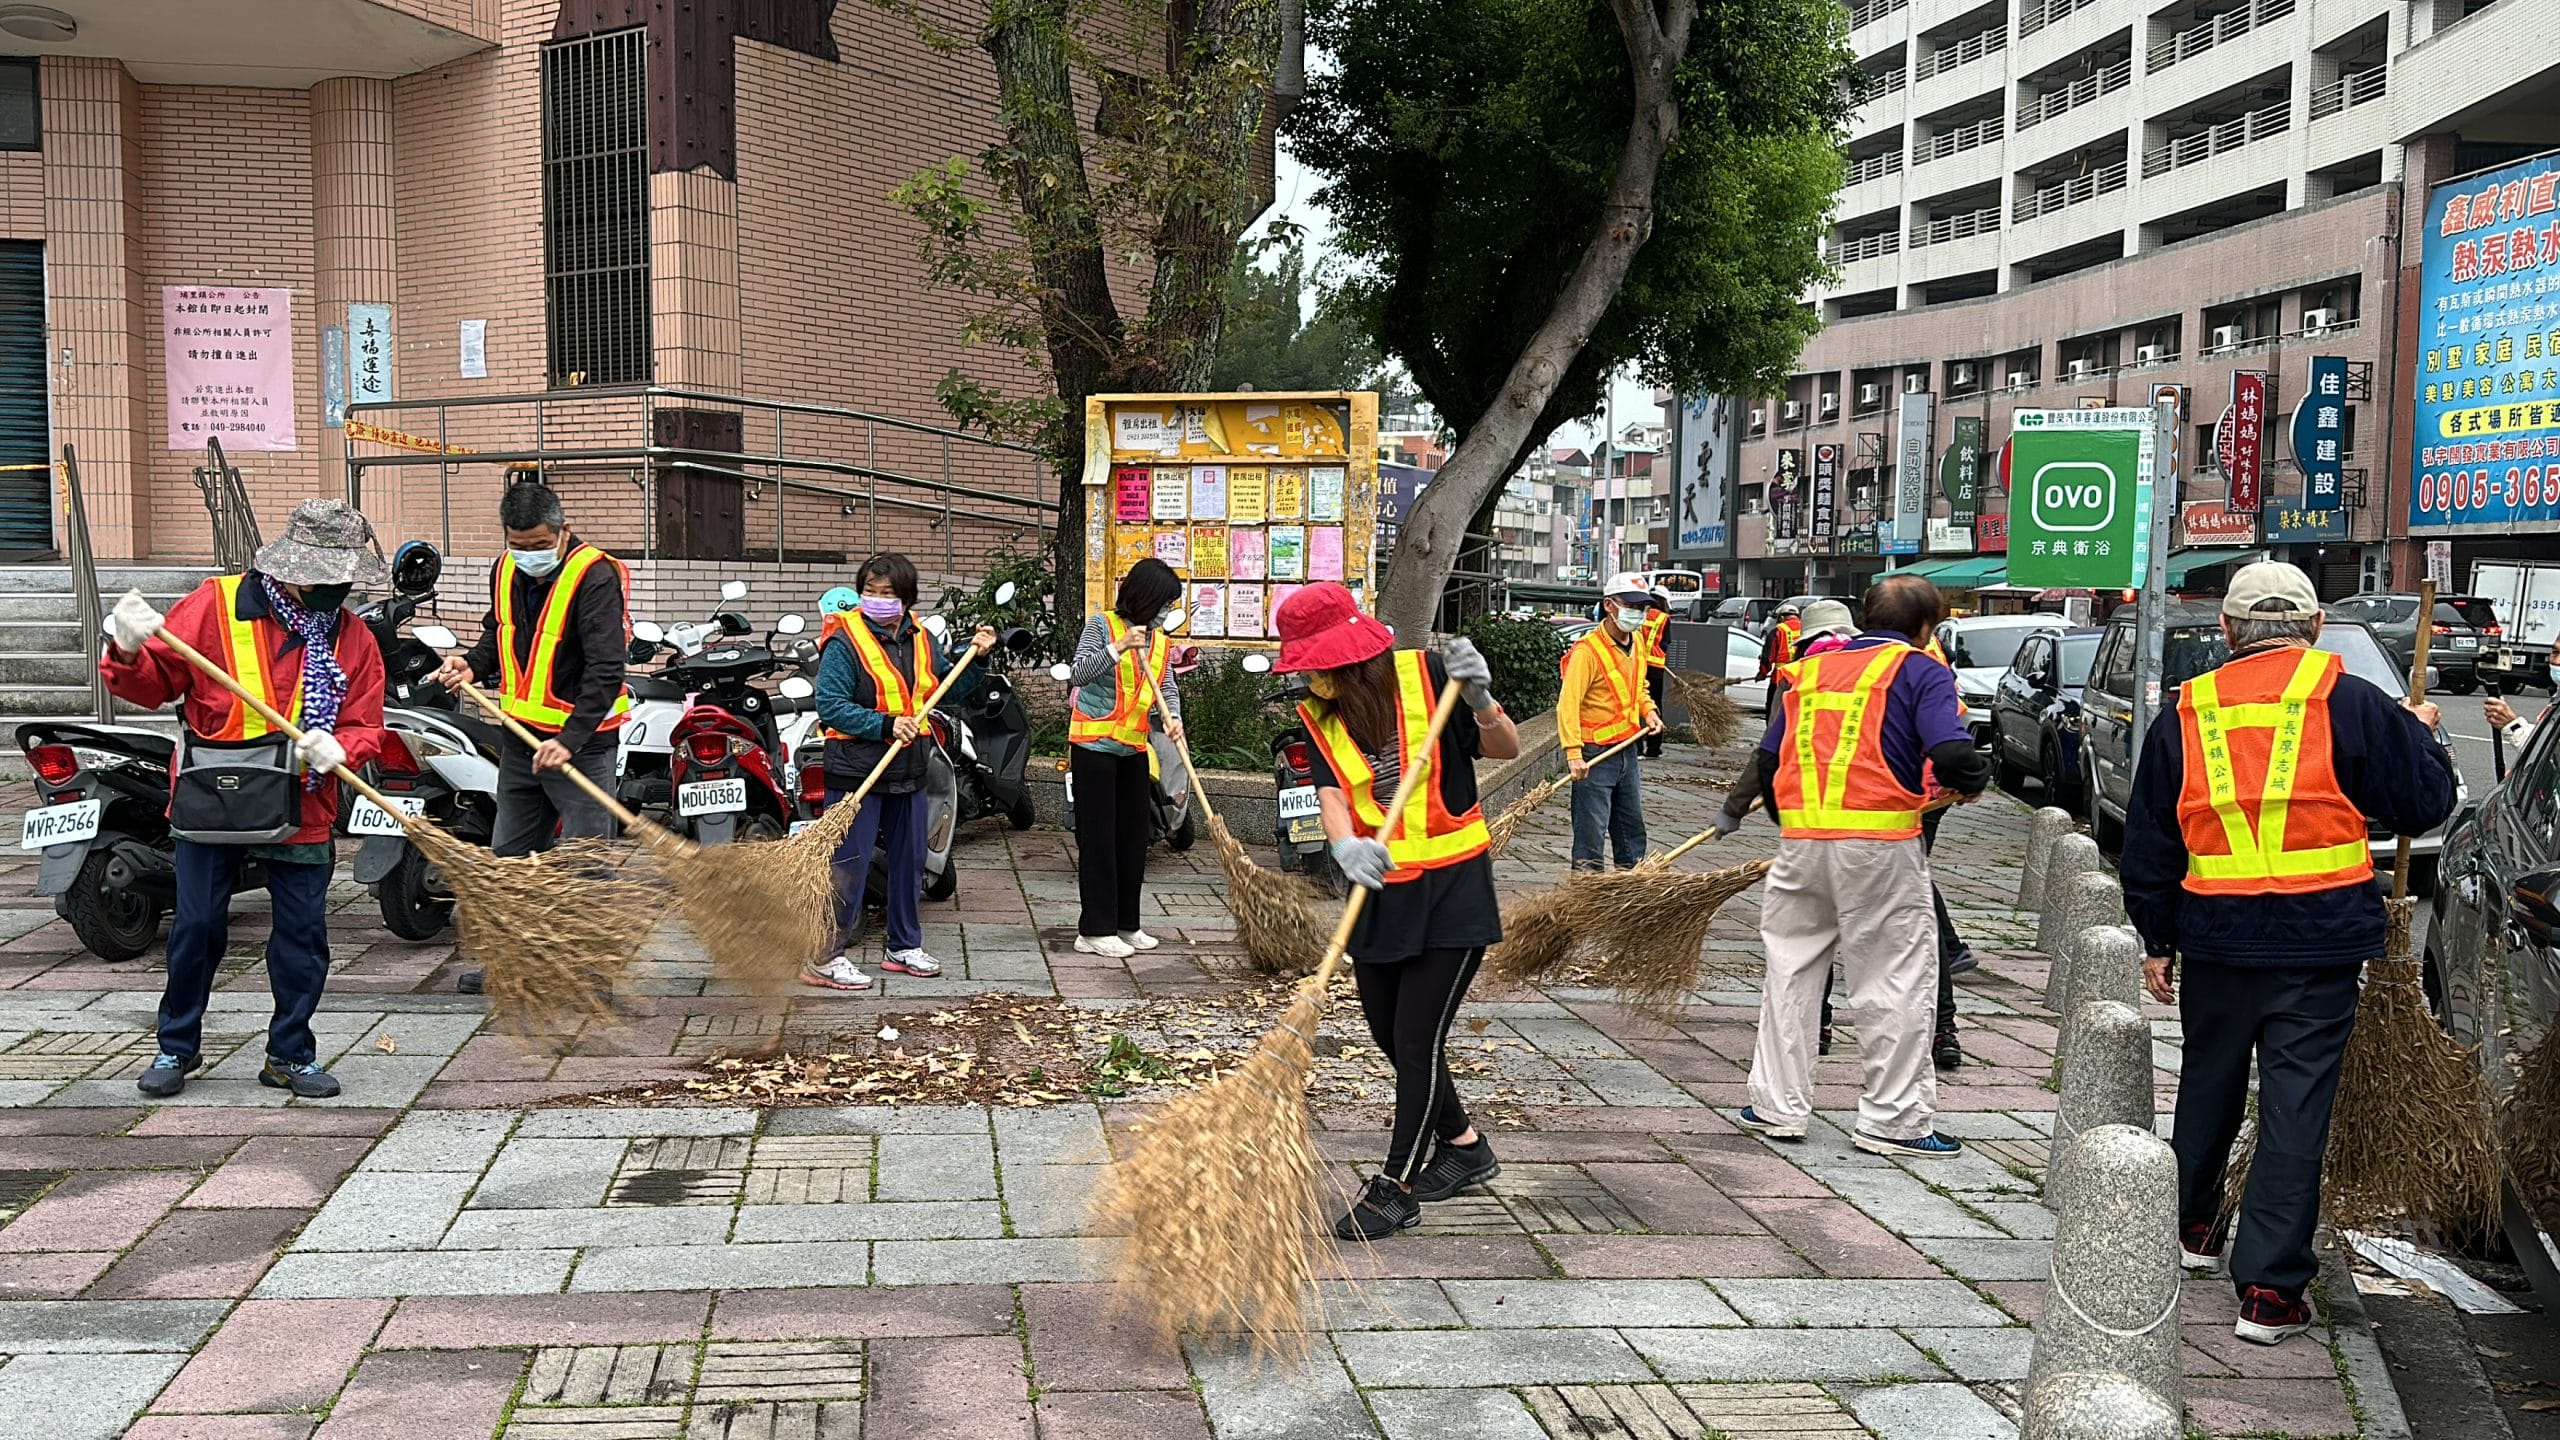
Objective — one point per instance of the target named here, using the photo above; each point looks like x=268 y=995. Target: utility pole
x=2151 y=617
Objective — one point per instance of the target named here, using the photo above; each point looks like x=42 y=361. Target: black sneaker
x=2267 y=1317
x=2198 y=1247
x=468 y=982
x=307 y=1080
x=1963 y=961
x=1455 y=1167
x=1383 y=1209
x=1824 y=1048
x=168 y=1075
x=1946 y=1053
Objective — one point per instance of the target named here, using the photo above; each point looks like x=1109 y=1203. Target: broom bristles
x=1646 y=926
x=1222 y=1200
x=1535 y=938
x=1502 y=827
x=553 y=931
x=1277 y=916
x=1714 y=719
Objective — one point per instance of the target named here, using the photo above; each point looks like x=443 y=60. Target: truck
x=2526 y=596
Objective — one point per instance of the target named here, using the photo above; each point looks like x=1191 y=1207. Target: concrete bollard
x=2073 y=856
x=2044 y=831
x=2107 y=1081
x=2103 y=963
x=2111 y=1305
x=2086 y=901
x=2098 y=1407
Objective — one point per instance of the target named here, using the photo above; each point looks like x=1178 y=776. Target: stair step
x=112 y=579
x=45 y=700
x=71 y=668
x=27 y=605
x=40 y=637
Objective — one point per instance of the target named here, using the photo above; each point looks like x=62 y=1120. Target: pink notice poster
x=1245 y=552
x=1209 y=611
x=1324 y=552
x=1280 y=596
x=1173 y=547
x=1244 y=612
x=227 y=358
x=1129 y=492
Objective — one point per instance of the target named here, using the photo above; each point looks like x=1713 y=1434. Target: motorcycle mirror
x=1174 y=619
x=647 y=630
x=733 y=590
x=435 y=636
x=790 y=625
x=1016 y=639
x=937 y=626
x=1256 y=663
x=1005 y=593
x=1059 y=671
x=797 y=688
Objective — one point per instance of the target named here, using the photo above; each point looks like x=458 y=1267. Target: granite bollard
x=2072 y=857
x=2090 y=900
x=2098 y=1407
x=2106 y=1081
x=2112 y=1302
x=2044 y=831
x=2104 y=962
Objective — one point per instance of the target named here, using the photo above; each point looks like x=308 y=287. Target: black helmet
x=415 y=568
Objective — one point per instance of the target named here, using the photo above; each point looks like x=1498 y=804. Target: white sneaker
x=1110 y=945
x=1137 y=939
x=911 y=962
x=837 y=974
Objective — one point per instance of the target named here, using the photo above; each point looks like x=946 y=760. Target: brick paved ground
x=435 y=1255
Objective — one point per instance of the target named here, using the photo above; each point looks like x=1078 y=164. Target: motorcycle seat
x=653 y=687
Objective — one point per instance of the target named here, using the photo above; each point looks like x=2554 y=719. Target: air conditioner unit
x=1870 y=395
x=1831 y=404
x=2079 y=369
x=2315 y=322
x=2149 y=354
x=2227 y=337
x=1961 y=375
x=2020 y=380
x=1760 y=417
x=1914 y=383
x=1792 y=410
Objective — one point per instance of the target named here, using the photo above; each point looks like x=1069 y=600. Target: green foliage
x=1224 y=715
x=1272 y=342
x=1467 y=146
x=1030 y=608
x=1126 y=1061
x=1527 y=659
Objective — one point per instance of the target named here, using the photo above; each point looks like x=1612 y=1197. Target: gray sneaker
x=168 y=1075
x=306 y=1080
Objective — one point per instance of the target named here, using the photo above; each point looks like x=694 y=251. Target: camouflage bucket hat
x=327 y=542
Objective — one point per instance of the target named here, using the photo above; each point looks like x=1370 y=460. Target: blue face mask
x=536 y=563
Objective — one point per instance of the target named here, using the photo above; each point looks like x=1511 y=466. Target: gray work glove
x=1724 y=823
x=1467 y=665
x=1363 y=861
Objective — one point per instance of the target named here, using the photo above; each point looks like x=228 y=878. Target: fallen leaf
x=386 y=1044
x=1477 y=1025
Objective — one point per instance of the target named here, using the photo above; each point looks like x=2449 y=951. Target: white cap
x=1627 y=585
x=1828 y=617
x=2253 y=585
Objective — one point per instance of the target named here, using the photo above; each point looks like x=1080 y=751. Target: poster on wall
x=1704 y=438
x=2487 y=389
x=369 y=352
x=227 y=361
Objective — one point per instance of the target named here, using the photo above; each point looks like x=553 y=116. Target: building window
x=21 y=117
x=595 y=207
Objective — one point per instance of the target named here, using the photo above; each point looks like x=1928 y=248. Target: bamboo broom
x=1714 y=719
x=553 y=930
x=1507 y=824
x=1222 y=1197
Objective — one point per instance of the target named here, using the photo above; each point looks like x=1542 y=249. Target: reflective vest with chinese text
x=524 y=686
x=2260 y=806
x=1426 y=836
x=1832 y=781
x=892 y=693
x=1131 y=692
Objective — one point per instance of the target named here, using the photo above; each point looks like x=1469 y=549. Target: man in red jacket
x=281 y=629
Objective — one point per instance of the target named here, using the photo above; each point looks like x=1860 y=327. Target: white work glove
x=320 y=751
x=1467 y=665
x=1363 y=861
x=132 y=622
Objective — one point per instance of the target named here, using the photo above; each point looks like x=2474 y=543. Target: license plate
x=367 y=818
x=711 y=797
x=799 y=825
x=1299 y=800
x=2465 y=642
x=1304 y=828
x=60 y=824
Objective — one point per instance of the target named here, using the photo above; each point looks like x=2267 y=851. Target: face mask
x=321 y=599
x=1323 y=687
x=536 y=563
x=883 y=607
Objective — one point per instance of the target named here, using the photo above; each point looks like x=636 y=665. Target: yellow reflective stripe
x=537 y=694
x=1127 y=723
x=2271 y=864
x=1794 y=820
x=2262 y=852
x=1808 y=697
x=249 y=662
x=1413 y=696
x=1418 y=854
x=1607 y=656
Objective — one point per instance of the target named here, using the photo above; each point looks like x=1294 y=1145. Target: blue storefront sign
x=2320 y=434
x=2487 y=440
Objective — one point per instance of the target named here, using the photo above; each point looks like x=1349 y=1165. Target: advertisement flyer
x=1247 y=489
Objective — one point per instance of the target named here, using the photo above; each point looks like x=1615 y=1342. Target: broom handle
x=2417 y=691
x=1703 y=836
x=1155 y=698
x=1425 y=754
x=267 y=712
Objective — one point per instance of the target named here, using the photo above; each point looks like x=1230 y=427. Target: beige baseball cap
x=1828 y=617
x=2254 y=585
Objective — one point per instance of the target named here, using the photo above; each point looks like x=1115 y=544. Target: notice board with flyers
x=1248 y=496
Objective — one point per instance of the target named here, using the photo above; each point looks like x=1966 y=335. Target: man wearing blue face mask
x=555 y=641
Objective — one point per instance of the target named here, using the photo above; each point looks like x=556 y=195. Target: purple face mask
x=883 y=607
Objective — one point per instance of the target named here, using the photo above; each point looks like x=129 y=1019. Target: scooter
x=994 y=742
x=103 y=830
x=444 y=766
x=1299 y=833
x=644 y=761
x=727 y=743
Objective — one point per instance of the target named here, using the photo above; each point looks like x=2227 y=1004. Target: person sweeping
x=1657 y=664
x=1786 y=634
x=1842 y=767
x=1433 y=909
x=241 y=790
x=1604 y=701
x=2247 y=859
x=1120 y=686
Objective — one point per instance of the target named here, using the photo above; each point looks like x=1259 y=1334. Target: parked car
x=1749 y=613
x=1981 y=648
x=2493 y=950
x=2454 y=649
x=2035 y=714
x=2195 y=645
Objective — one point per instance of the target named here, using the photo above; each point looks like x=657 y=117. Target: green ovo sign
x=2079 y=497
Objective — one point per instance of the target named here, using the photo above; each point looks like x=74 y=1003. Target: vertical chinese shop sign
x=2319 y=432
x=227 y=359
x=2245 y=465
x=1826 y=495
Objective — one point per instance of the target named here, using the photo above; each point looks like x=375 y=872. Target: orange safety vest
x=1833 y=782
x=1650 y=633
x=1426 y=836
x=2260 y=807
x=1623 y=714
x=1782 y=641
x=1128 y=720
x=252 y=652
x=524 y=686
x=893 y=694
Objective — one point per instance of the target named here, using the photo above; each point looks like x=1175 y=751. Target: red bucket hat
x=1321 y=628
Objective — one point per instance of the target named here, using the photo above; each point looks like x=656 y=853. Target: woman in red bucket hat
x=1425 y=929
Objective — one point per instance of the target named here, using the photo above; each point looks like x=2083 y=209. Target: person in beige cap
x=241 y=793
x=2248 y=861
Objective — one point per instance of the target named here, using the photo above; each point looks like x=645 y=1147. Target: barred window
x=595 y=207
x=21 y=118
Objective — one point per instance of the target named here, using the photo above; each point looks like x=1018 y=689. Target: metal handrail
x=1956 y=227
x=226 y=503
x=84 y=581
x=1873 y=167
x=2229 y=135
x=2035 y=17
x=1963 y=52
x=2348 y=91
x=2076 y=94
x=2188 y=44
x=2104 y=180
x=1962 y=138
x=1876 y=86
x=1874 y=10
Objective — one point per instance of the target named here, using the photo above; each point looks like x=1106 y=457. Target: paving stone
x=1562 y=1198
x=1835 y=1236
x=274 y=1172
x=794 y=1420
x=1252 y=1399
x=1927 y=1412
x=905 y=1220
x=1384 y=1305
x=936 y=1167
x=1780 y=1354
x=196 y=1253
x=436 y=1322
x=723 y=1267
x=97 y=1210
x=406 y=1394
x=464 y=1140
x=301 y=1275
x=222 y=1427
x=543 y=1173
x=556 y=1229
x=388 y=1080
x=1992 y=1259
x=1442 y=1414
x=1051 y=1135
x=1463 y=1358
x=277 y=1355
x=810 y=1170
x=100 y=1327
x=1081 y=1340
x=1527 y=1304
x=2023 y=1218
x=1658 y=1412
x=997 y=1262
x=613 y=1422
x=970 y=1386
x=1154 y=1414
x=1858 y=1302
x=51 y=1275
x=1971 y=1354
x=681 y=1170
x=1672 y=1198
x=1051 y=1199
x=879 y=1120
x=1644 y=1257
x=776 y=1371
x=79 y=1397
x=921 y=1311
x=386 y=1212
x=1903 y=1205
x=634 y=1124
x=1777 y=1411
x=608 y=1375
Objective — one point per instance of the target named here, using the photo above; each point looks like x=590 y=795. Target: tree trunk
x=1427 y=546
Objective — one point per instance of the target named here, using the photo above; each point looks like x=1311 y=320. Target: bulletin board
x=1248 y=496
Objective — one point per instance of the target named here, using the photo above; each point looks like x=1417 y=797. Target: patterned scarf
x=324 y=684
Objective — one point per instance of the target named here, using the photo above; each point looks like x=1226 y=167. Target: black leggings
x=1410 y=1005
x=1114 y=826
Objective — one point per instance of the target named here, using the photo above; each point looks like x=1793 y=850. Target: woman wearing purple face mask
x=876 y=669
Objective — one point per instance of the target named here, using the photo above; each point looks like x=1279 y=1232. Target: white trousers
x=1866 y=904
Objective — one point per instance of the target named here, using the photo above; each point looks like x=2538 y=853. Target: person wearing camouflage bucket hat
x=327 y=542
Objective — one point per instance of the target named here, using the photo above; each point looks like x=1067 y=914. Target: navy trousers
x=903 y=815
x=199 y=932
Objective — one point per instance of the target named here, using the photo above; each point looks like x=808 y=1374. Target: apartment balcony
x=2438 y=85
x=2222 y=139
x=1956 y=159
x=2078 y=190
x=1878 y=103
x=1870 y=184
x=2073 y=212
x=1942 y=77
x=1952 y=245
x=2215 y=33
x=2348 y=91
x=1869 y=12
x=2345 y=121
x=2051 y=31
x=2070 y=117
x=279 y=44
